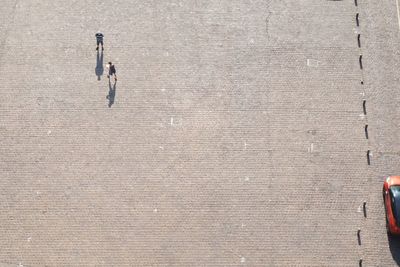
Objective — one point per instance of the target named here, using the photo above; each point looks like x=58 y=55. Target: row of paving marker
x=364 y=107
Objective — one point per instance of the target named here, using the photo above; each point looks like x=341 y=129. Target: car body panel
x=392 y=223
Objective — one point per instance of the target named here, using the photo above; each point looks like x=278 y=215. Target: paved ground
x=234 y=137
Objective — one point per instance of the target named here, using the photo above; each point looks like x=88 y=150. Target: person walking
x=99 y=38
x=111 y=71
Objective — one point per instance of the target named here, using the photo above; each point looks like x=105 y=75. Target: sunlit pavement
x=235 y=136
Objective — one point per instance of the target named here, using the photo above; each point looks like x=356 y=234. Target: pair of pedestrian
x=111 y=68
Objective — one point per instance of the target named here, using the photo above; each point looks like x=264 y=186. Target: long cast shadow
x=394 y=244
x=99 y=65
x=111 y=92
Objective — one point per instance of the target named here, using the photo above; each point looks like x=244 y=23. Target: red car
x=391 y=200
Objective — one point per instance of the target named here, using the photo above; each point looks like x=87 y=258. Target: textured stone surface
x=236 y=136
x=380 y=36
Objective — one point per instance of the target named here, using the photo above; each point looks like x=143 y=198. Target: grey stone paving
x=236 y=136
x=380 y=30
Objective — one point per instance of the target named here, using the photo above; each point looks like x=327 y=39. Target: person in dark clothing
x=99 y=38
x=111 y=71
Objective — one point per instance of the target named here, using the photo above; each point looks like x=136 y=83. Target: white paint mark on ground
x=312 y=62
x=175 y=122
x=362 y=116
x=311 y=148
x=29 y=239
x=246 y=178
x=398 y=12
x=155 y=210
x=242 y=259
x=48 y=132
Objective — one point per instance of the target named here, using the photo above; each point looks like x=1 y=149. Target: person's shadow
x=99 y=64
x=111 y=92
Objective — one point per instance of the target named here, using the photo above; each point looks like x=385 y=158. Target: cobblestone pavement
x=235 y=135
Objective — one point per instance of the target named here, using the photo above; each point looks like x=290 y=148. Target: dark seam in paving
x=357 y=20
x=365 y=107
